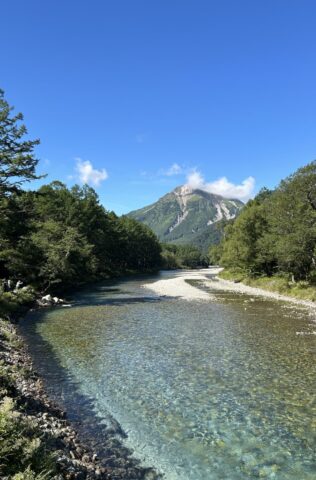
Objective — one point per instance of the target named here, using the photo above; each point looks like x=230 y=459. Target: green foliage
x=66 y=238
x=242 y=247
x=183 y=256
x=63 y=253
x=17 y=161
x=276 y=232
x=138 y=246
x=22 y=452
x=170 y=260
x=215 y=253
x=57 y=237
x=278 y=283
x=293 y=222
x=28 y=474
x=15 y=302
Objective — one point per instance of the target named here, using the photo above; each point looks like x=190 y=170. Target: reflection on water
x=205 y=390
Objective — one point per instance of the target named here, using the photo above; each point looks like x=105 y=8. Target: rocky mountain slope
x=186 y=216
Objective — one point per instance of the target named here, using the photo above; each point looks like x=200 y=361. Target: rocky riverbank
x=38 y=442
x=218 y=283
x=180 y=287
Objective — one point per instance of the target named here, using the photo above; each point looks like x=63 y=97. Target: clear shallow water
x=205 y=390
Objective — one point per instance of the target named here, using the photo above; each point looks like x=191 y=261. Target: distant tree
x=215 y=253
x=182 y=256
x=139 y=247
x=17 y=160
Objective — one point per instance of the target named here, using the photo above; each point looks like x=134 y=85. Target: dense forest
x=57 y=237
x=183 y=256
x=275 y=234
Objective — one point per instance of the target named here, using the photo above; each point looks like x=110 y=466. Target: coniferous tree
x=17 y=160
x=58 y=237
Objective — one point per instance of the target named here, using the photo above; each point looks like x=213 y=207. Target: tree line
x=183 y=256
x=275 y=233
x=59 y=237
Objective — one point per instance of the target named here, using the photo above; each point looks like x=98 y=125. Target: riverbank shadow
x=102 y=435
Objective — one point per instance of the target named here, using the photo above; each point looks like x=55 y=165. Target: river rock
x=47 y=300
x=57 y=300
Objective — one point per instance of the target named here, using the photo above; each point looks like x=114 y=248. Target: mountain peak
x=188 y=190
x=183 y=190
x=185 y=213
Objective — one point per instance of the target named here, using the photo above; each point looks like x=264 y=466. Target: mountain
x=188 y=215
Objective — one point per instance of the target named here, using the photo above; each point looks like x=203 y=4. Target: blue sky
x=137 y=96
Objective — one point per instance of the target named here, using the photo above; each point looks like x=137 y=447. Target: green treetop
x=17 y=160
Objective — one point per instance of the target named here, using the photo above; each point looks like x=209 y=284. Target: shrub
x=22 y=453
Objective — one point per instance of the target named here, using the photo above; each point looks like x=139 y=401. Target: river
x=206 y=390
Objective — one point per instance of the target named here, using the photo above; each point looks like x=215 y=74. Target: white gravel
x=178 y=287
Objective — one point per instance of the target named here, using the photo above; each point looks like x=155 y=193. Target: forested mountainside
x=188 y=216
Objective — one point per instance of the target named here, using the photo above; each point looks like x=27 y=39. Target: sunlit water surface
x=223 y=389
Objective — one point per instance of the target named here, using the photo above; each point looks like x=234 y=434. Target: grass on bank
x=301 y=290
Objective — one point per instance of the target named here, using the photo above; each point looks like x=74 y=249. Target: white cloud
x=222 y=186
x=175 y=169
x=195 y=180
x=88 y=174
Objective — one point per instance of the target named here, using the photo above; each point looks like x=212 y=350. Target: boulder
x=47 y=299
